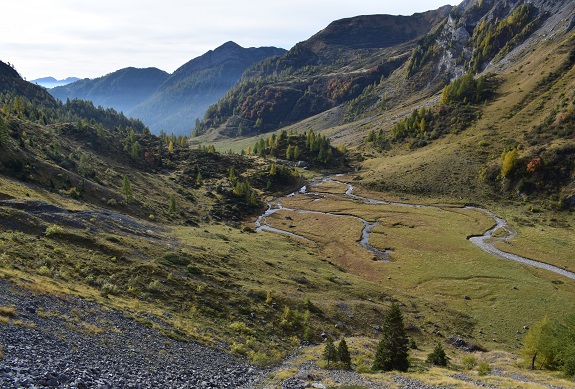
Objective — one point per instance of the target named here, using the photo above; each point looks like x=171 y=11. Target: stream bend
x=486 y=242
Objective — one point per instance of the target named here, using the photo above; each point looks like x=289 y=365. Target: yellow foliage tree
x=510 y=160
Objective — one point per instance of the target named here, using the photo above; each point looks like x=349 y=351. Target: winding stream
x=486 y=242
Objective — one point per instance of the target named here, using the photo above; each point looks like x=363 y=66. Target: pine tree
x=392 y=350
x=329 y=352
x=343 y=353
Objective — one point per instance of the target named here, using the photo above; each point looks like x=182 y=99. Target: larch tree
x=127 y=189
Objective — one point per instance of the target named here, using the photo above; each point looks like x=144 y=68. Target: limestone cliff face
x=479 y=35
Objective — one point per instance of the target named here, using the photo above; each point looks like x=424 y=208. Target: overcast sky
x=83 y=38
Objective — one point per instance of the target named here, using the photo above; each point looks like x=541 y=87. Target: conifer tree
x=172 y=204
x=289 y=152
x=296 y=152
x=127 y=189
x=3 y=132
x=438 y=356
x=392 y=350
x=329 y=352
x=343 y=353
x=233 y=176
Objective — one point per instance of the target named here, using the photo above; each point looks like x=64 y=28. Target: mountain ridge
x=169 y=102
x=120 y=90
x=331 y=67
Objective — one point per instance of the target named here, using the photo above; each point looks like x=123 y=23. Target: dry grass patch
x=8 y=312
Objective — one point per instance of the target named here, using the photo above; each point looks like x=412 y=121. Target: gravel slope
x=66 y=342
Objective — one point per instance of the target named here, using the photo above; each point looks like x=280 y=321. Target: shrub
x=484 y=369
x=264 y=359
x=191 y=269
x=362 y=368
x=469 y=362
x=175 y=259
x=240 y=327
x=44 y=271
x=53 y=229
x=7 y=312
x=108 y=288
x=156 y=287
x=238 y=348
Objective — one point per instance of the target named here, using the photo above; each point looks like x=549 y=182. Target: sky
x=91 y=38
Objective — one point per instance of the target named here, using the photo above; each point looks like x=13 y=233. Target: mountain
x=169 y=102
x=186 y=94
x=478 y=53
x=121 y=90
x=51 y=82
x=12 y=83
x=331 y=67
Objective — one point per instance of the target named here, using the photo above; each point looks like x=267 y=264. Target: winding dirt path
x=486 y=242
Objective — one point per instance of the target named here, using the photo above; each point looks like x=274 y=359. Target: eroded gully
x=486 y=242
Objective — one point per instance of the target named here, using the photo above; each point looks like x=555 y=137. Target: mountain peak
x=376 y=31
x=229 y=45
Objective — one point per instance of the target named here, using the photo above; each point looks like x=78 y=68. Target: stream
x=486 y=242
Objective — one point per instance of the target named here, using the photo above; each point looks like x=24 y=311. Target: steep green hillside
x=516 y=142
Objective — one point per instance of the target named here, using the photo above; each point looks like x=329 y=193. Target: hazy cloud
x=64 y=38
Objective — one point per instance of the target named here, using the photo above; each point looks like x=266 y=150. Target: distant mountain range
x=122 y=90
x=51 y=82
x=170 y=102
